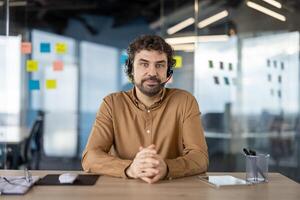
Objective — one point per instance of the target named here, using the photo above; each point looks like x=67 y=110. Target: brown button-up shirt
x=172 y=124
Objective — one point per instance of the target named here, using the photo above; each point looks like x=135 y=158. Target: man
x=156 y=132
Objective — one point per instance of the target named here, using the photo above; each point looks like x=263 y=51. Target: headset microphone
x=169 y=77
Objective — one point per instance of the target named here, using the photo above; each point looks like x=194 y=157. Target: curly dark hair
x=148 y=42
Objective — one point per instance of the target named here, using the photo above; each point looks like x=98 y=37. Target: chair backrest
x=35 y=137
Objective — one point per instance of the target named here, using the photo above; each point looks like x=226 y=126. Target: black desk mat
x=82 y=179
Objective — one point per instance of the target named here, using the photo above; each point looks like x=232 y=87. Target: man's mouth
x=151 y=82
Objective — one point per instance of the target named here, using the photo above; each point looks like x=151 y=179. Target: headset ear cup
x=127 y=63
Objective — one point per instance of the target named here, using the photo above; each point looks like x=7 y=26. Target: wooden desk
x=279 y=188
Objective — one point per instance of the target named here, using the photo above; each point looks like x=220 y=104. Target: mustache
x=152 y=78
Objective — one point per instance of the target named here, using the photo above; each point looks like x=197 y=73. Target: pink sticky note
x=58 y=65
x=26 y=47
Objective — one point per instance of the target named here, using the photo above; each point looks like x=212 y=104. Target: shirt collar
x=139 y=104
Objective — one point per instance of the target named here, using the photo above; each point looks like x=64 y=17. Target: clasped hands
x=147 y=165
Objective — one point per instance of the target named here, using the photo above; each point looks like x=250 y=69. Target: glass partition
x=244 y=72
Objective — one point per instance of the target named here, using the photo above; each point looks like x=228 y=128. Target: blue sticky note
x=45 y=47
x=123 y=58
x=34 y=84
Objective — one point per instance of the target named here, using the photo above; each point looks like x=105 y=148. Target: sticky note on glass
x=50 y=84
x=61 y=48
x=178 y=60
x=26 y=47
x=58 y=65
x=45 y=47
x=32 y=66
x=123 y=59
x=34 y=84
x=210 y=64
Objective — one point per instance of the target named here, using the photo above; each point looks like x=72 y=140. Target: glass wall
x=245 y=76
x=59 y=75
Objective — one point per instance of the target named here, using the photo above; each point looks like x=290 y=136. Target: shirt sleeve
x=195 y=155
x=96 y=157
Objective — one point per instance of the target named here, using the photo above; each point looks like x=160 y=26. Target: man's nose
x=152 y=71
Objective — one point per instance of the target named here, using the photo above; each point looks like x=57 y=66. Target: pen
x=252 y=152
x=246 y=152
x=27 y=175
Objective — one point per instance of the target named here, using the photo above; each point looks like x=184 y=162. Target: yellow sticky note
x=31 y=66
x=61 y=48
x=178 y=61
x=51 y=84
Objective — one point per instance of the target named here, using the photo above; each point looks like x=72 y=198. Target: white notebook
x=16 y=184
x=223 y=180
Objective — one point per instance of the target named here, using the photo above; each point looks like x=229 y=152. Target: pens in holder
x=254 y=165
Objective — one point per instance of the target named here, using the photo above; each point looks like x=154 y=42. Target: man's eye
x=159 y=65
x=144 y=64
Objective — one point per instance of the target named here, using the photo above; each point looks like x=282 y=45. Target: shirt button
x=148 y=111
x=148 y=131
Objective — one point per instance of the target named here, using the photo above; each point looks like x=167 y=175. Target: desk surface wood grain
x=278 y=188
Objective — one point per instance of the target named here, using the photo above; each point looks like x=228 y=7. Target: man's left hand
x=161 y=167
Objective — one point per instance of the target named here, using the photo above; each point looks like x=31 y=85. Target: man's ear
x=130 y=78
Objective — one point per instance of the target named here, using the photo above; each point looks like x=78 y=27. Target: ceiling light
x=266 y=11
x=273 y=3
x=213 y=19
x=180 y=26
x=181 y=40
x=17 y=3
x=213 y=38
x=193 y=39
x=184 y=47
x=14 y=3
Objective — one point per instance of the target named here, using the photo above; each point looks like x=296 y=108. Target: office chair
x=34 y=144
x=30 y=151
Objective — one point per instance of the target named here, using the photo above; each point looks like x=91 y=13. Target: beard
x=150 y=90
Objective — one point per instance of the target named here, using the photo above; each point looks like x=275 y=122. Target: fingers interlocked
x=147 y=165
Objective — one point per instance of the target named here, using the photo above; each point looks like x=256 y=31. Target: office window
x=99 y=77
x=10 y=80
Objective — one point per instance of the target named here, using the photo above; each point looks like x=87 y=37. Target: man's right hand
x=144 y=164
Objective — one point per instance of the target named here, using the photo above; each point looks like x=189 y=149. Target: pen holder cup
x=257 y=168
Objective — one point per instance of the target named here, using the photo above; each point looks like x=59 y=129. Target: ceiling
x=57 y=13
